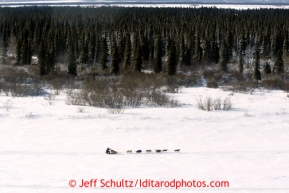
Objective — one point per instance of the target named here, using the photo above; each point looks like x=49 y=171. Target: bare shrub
x=200 y=104
x=209 y=74
x=212 y=84
x=17 y=82
x=80 y=110
x=242 y=87
x=18 y=90
x=96 y=93
x=118 y=110
x=8 y=105
x=132 y=89
x=115 y=101
x=217 y=104
x=209 y=104
x=227 y=104
x=97 y=99
x=50 y=98
x=75 y=98
x=231 y=94
x=277 y=82
x=273 y=83
x=173 y=89
x=57 y=84
x=35 y=89
x=5 y=88
x=132 y=98
x=192 y=79
x=158 y=99
x=221 y=77
x=173 y=103
x=206 y=104
x=133 y=92
x=172 y=85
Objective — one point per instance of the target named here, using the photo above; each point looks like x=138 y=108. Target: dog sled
x=113 y=152
x=110 y=151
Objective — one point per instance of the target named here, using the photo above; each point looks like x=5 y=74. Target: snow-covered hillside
x=45 y=144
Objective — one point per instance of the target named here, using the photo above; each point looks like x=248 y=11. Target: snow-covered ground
x=43 y=146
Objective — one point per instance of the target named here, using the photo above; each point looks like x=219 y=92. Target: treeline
x=133 y=39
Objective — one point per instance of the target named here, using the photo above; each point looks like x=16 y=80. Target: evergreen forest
x=116 y=40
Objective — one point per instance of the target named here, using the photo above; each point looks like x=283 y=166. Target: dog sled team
x=150 y=151
x=110 y=151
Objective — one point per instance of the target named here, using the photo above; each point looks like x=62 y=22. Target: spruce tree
x=223 y=57
x=41 y=55
x=91 y=48
x=5 y=44
x=145 y=48
x=151 y=42
x=257 y=73
x=158 y=55
x=241 y=62
x=229 y=45
x=267 y=68
x=285 y=46
x=172 y=59
x=23 y=52
x=29 y=53
x=187 y=56
x=2 y=49
x=50 y=63
x=50 y=53
x=97 y=50
x=137 y=59
x=265 y=47
x=84 y=56
x=121 y=47
x=72 y=69
x=18 y=50
x=181 y=50
x=114 y=58
x=198 y=50
x=279 y=63
x=215 y=55
x=104 y=54
x=127 y=52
